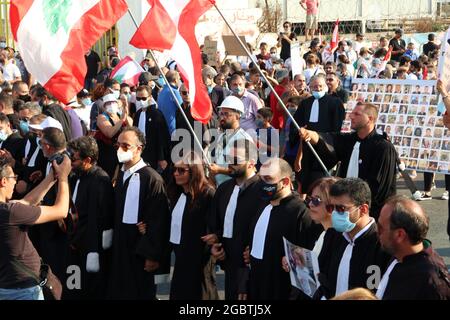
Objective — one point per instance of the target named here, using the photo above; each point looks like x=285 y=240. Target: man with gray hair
x=321 y=112
x=417 y=272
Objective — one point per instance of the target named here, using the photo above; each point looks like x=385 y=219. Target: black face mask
x=269 y=191
x=25 y=98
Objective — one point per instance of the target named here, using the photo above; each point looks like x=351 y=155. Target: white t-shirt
x=11 y=72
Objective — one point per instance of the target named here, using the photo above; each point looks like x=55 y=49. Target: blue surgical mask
x=86 y=102
x=160 y=81
x=341 y=221
x=210 y=89
x=238 y=91
x=259 y=123
x=318 y=94
x=3 y=135
x=292 y=110
x=23 y=125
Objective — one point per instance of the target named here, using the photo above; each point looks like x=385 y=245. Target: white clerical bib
x=314 y=116
x=141 y=124
x=259 y=235
x=229 y=213
x=177 y=220
x=131 y=207
x=385 y=280
x=353 y=165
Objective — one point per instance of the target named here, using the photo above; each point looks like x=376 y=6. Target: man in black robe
x=364 y=154
x=417 y=272
x=140 y=196
x=323 y=113
x=91 y=205
x=351 y=246
x=11 y=143
x=286 y=216
x=151 y=122
x=242 y=193
x=53 y=243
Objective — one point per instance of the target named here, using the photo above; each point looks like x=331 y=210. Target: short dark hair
x=4 y=118
x=4 y=163
x=137 y=132
x=7 y=101
x=144 y=88
x=266 y=113
x=86 y=146
x=355 y=188
x=404 y=217
x=16 y=85
x=431 y=37
x=54 y=137
x=41 y=93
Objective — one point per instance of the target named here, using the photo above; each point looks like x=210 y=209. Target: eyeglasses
x=125 y=146
x=184 y=93
x=315 y=201
x=180 y=170
x=15 y=177
x=141 y=98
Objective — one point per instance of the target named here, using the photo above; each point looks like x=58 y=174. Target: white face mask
x=124 y=156
x=141 y=104
x=113 y=108
x=116 y=94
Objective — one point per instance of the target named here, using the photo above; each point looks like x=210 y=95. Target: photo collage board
x=409 y=113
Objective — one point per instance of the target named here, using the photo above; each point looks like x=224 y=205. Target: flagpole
x=173 y=94
x=271 y=88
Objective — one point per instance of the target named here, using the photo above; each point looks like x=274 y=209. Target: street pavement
x=436 y=209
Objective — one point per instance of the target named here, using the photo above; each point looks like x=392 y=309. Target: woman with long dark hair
x=190 y=197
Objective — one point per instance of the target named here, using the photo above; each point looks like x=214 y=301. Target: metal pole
x=173 y=95
x=272 y=89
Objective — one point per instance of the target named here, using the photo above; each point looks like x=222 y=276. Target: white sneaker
x=445 y=195
x=416 y=195
x=421 y=196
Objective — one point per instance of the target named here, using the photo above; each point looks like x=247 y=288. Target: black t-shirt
x=397 y=45
x=92 y=61
x=286 y=47
x=429 y=47
x=17 y=253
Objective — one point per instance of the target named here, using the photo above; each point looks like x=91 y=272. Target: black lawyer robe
x=290 y=219
x=377 y=162
x=192 y=253
x=417 y=278
x=331 y=117
x=15 y=145
x=40 y=163
x=248 y=206
x=157 y=137
x=92 y=208
x=128 y=278
x=366 y=252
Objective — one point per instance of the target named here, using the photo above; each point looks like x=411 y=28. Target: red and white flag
x=335 y=37
x=170 y=26
x=127 y=71
x=386 y=59
x=53 y=35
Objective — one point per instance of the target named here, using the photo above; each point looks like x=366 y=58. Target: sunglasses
x=315 y=201
x=141 y=98
x=181 y=170
x=338 y=208
x=184 y=93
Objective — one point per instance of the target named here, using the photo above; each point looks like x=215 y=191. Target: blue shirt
x=168 y=106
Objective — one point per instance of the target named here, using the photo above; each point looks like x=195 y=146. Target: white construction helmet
x=232 y=102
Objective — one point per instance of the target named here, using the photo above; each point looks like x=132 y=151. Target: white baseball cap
x=49 y=122
x=232 y=102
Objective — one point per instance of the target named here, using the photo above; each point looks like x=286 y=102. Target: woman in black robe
x=190 y=198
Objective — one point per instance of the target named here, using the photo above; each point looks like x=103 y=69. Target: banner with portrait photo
x=303 y=267
x=409 y=115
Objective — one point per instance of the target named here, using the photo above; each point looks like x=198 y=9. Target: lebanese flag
x=127 y=71
x=53 y=36
x=335 y=37
x=170 y=26
x=386 y=59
